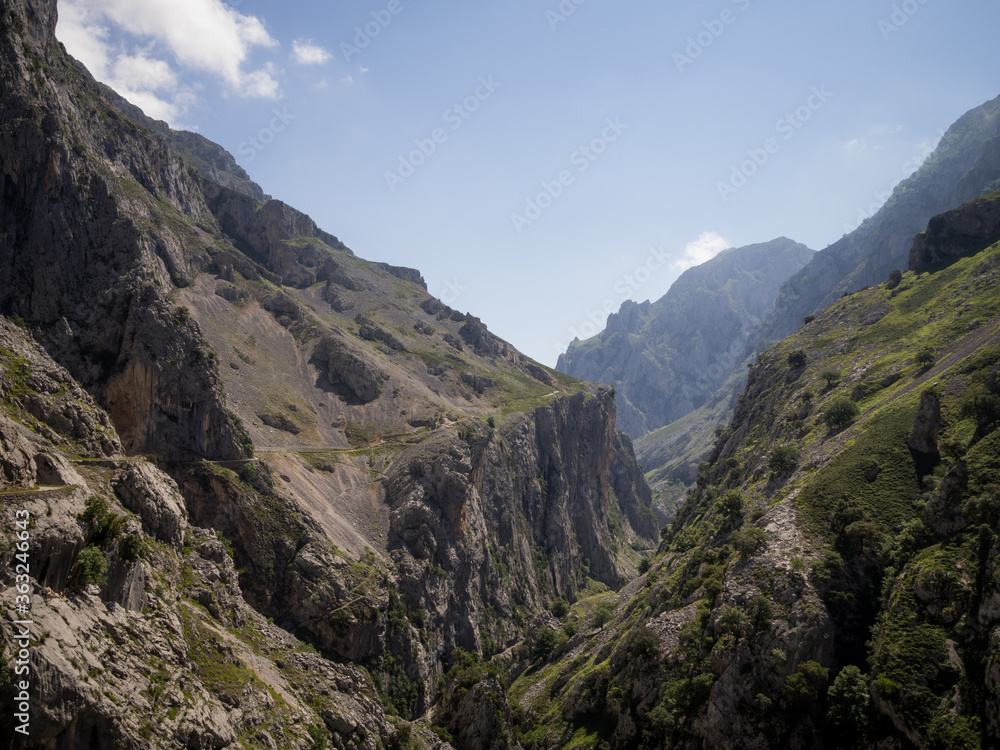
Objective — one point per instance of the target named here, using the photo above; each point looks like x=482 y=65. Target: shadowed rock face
x=953 y=234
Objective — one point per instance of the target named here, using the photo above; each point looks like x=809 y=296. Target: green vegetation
x=91 y=568
x=840 y=412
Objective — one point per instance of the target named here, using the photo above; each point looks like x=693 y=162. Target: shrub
x=804 y=684
x=840 y=412
x=783 y=459
x=894 y=279
x=808 y=319
x=104 y=524
x=132 y=548
x=545 y=643
x=832 y=377
x=848 y=712
x=602 y=614
x=643 y=643
x=559 y=608
x=748 y=541
x=644 y=565
x=925 y=357
x=91 y=567
x=732 y=621
x=731 y=503
x=981 y=405
x=797 y=359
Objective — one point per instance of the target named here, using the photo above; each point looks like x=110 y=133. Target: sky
x=542 y=161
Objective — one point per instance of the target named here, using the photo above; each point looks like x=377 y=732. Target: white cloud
x=854 y=145
x=305 y=52
x=204 y=35
x=702 y=250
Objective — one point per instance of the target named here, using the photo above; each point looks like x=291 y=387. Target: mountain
x=965 y=165
x=665 y=359
x=831 y=580
x=275 y=492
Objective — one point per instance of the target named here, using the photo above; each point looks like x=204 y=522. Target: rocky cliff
x=831 y=579
x=964 y=166
x=347 y=486
x=667 y=358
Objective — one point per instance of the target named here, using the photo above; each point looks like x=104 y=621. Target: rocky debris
x=285 y=310
x=406 y=274
x=348 y=367
x=371 y=332
x=422 y=327
x=154 y=496
x=478 y=383
x=280 y=422
x=965 y=230
x=340 y=276
x=231 y=292
x=433 y=306
x=454 y=342
x=539 y=374
x=339 y=299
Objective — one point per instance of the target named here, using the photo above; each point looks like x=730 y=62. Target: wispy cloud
x=304 y=52
x=116 y=39
x=701 y=250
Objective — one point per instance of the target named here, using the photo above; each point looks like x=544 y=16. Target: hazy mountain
x=665 y=359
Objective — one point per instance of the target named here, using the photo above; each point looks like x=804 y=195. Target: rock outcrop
x=965 y=230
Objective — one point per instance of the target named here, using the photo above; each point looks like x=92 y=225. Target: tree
x=559 y=608
x=848 y=714
x=644 y=643
x=894 y=279
x=644 y=565
x=545 y=642
x=840 y=412
x=732 y=621
x=731 y=504
x=91 y=568
x=602 y=614
x=797 y=359
x=783 y=459
x=925 y=357
x=804 y=685
x=983 y=406
x=832 y=377
x=748 y=541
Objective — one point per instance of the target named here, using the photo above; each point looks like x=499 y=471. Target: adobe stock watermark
x=452 y=292
x=924 y=154
x=786 y=127
x=364 y=33
x=713 y=29
x=901 y=15
x=624 y=288
x=580 y=160
x=562 y=12
x=266 y=135
x=454 y=117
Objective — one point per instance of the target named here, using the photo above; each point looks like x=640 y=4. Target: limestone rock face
x=153 y=495
x=953 y=234
x=924 y=438
x=346 y=367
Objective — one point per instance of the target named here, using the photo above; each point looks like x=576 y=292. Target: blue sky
x=541 y=161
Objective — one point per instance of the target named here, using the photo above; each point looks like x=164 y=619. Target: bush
x=848 y=712
x=104 y=524
x=797 y=359
x=731 y=504
x=808 y=319
x=602 y=614
x=832 y=377
x=91 y=567
x=732 y=621
x=894 y=279
x=132 y=548
x=925 y=357
x=643 y=643
x=559 y=608
x=981 y=405
x=804 y=685
x=545 y=643
x=644 y=565
x=783 y=459
x=840 y=412
x=748 y=541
